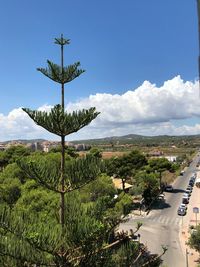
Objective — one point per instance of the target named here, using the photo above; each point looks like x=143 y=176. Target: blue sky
x=120 y=44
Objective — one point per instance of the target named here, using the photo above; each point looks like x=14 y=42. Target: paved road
x=162 y=225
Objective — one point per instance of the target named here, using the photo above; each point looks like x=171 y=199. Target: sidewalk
x=188 y=220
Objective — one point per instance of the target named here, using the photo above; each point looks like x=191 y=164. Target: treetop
x=62 y=41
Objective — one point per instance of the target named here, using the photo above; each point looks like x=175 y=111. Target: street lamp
x=186 y=254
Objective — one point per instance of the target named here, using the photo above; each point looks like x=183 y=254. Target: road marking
x=171 y=221
x=178 y=221
x=165 y=220
x=161 y=219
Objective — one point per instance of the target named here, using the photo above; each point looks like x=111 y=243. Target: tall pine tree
x=77 y=235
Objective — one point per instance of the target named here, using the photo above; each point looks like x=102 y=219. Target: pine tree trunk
x=62 y=194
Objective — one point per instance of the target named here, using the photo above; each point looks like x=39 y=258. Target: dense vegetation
x=194 y=239
x=28 y=197
x=92 y=212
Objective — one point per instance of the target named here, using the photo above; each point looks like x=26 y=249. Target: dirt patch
x=110 y=154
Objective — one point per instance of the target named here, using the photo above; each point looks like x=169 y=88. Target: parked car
x=189 y=187
x=181 y=211
x=191 y=183
x=182 y=173
x=161 y=197
x=186 y=195
x=169 y=188
x=136 y=238
x=188 y=192
x=185 y=200
x=183 y=206
x=195 y=174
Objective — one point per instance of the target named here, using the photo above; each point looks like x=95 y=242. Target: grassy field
x=167 y=151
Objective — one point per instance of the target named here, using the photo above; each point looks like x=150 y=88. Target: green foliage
x=10 y=192
x=3 y=160
x=126 y=165
x=87 y=226
x=86 y=229
x=62 y=41
x=181 y=159
x=194 y=240
x=59 y=74
x=61 y=123
x=148 y=184
x=46 y=171
x=11 y=180
x=12 y=154
x=95 y=152
x=174 y=167
x=69 y=151
x=12 y=171
x=160 y=164
x=136 y=190
x=102 y=186
x=35 y=199
x=126 y=256
x=124 y=204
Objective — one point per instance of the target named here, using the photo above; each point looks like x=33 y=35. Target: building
x=171 y=158
x=119 y=185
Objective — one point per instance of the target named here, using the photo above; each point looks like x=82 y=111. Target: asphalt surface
x=162 y=225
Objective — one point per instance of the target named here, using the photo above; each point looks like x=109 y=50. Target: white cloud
x=152 y=129
x=18 y=125
x=148 y=110
x=176 y=99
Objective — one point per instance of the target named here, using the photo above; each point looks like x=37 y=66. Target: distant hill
x=192 y=140
x=134 y=139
